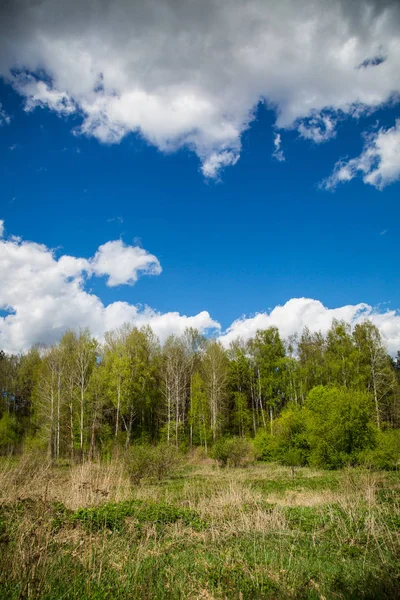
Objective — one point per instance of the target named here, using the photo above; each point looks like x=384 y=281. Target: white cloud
x=298 y=313
x=123 y=264
x=4 y=117
x=319 y=128
x=1 y=228
x=278 y=152
x=213 y=164
x=39 y=93
x=192 y=73
x=378 y=164
x=45 y=296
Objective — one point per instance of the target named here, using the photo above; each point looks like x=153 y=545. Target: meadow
x=87 y=531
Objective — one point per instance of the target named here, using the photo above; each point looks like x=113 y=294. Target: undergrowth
x=251 y=533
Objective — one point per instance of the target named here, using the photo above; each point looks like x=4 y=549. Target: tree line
x=80 y=398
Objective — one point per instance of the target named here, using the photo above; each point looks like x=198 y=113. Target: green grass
x=210 y=533
x=113 y=516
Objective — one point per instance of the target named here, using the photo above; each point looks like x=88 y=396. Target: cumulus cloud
x=378 y=164
x=298 y=313
x=192 y=73
x=278 y=152
x=123 y=264
x=44 y=295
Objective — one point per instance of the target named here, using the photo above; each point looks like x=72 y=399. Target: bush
x=233 y=452
x=151 y=461
x=339 y=426
x=288 y=444
x=266 y=446
x=386 y=454
x=293 y=457
x=166 y=459
x=139 y=463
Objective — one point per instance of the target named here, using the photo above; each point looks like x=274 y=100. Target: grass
x=85 y=532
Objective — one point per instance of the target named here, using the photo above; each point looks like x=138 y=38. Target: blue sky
x=250 y=237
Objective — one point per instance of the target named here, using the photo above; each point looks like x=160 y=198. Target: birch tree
x=85 y=361
x=376 y=366
x=175 y=385
x=215 y=375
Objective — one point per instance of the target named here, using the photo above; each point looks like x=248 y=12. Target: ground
x=85 y=531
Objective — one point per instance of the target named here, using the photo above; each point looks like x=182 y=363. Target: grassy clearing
x=86 y=532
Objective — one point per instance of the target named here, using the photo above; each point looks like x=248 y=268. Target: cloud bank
x=183 y=73
x=298 y=313
x=41 y=296
x=44 y=295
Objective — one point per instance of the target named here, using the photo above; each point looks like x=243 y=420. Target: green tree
x=267 y=353
x=341 y=355
x=312 y=364
x=243 y=399
x=199 y=413
x=10 y=433
x=339 y=425
x=375 y=368
x=215 y=376
x=118 y=373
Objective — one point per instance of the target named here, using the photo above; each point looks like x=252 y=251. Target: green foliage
x=288 y=444
x=386 y=454
x=82 y=400
x=233 y=452
x=267 y=353
x=10 y=433
x=199 y=412
x=241 y=415
x=332 y=430
x=339 y=425
x=113 y=515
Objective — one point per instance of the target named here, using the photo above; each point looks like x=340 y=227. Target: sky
x=226 y=166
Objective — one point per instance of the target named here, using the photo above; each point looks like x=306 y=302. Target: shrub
x=233 y=452
x=386 y=454
x=139 y=463
x=166 y=459
x=151 y=461
x=293 y=457
x=288 y=443
x=339 y=425
x=266 y=446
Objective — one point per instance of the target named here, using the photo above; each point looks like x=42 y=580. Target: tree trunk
x=82 y=417
x=118 y=408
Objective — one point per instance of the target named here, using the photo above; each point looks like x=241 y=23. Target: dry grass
x=75 y=486
x=265 y=532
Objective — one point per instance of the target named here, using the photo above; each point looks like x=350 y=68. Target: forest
x=319 y=400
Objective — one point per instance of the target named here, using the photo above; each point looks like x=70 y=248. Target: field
x=85 y=532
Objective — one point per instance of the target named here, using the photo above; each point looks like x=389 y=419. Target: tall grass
x=86 y=531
